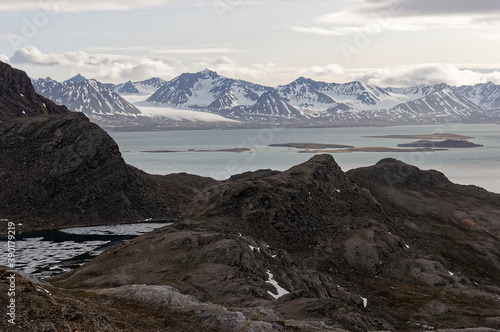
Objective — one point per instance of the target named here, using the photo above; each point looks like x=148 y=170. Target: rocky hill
x=18 y=97
x=387 y=247
x=64 y=170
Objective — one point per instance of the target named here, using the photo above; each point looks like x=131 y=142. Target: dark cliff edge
x=18 y=97
x=387 y=247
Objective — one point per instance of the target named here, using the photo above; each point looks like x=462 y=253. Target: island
x=373 y=149
x=449 y=143
x=426 y=136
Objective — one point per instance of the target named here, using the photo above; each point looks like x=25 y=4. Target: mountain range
x=303 y=101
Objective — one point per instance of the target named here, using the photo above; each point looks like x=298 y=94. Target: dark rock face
x=64 y=170
x=18 y=97
x=331 y=244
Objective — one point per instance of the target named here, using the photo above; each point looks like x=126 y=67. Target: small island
x=449 y=143
x=373 y=149
x=316 y=146
x=426 y=136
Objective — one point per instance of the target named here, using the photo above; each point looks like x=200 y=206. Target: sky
x=271 y=42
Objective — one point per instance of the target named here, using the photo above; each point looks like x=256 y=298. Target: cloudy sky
x=384 y=42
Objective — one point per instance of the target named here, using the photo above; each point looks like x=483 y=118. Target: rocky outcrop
x=312 y=244
x=63 y=170
x=18 y=97
x=445 y=219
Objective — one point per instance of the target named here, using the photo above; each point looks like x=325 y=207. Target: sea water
x=469 y=166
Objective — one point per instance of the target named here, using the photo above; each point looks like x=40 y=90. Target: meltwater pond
x=46 y=253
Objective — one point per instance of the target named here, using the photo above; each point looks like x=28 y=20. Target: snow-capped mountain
x=317 y=96
x=206 y=90
x=146 y=87
x=439 y=103
x=268 y=105
x=486 y=96
x=75 y=79
x=88 y=96
x=305 y=93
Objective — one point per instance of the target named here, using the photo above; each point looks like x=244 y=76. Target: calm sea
x=476 y=166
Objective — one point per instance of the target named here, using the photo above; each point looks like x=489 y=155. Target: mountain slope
x=268 y=106
x=438 y=104
x=305 y=94
x=87 y=96
x=206 y=90
x=140 y=87
x=486 y=96
x=18 y=97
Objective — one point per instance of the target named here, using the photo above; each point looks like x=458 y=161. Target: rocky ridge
x=18 y=97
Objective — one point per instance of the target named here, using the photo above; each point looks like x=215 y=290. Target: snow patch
x=38 y=288
x=281 y=290
x=254 y=248
x=365 y=301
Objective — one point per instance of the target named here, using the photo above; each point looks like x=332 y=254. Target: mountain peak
x=303 y=80
x=75 y=79
x=208 y=73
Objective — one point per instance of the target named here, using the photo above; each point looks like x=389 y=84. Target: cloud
x=330 y=69
x=78 y=6
x=100 y=66
x=375 y=16
x=228 y=67
x=434 y=7
x=4 y=58
x=495 y=36
x=426 y=74
x=327 y=32
x=200 y=50
x=119 y=68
